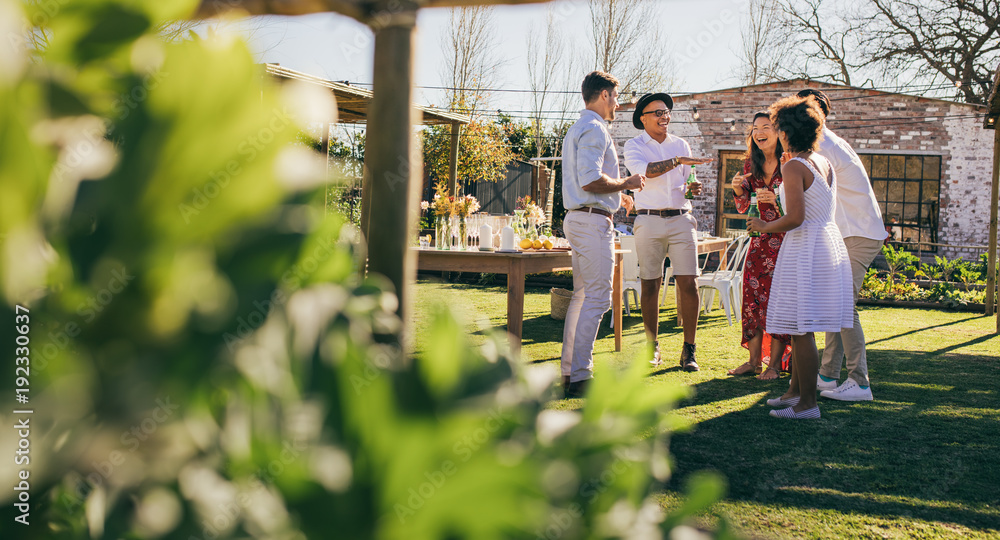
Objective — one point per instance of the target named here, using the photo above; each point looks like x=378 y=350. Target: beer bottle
x=777 y=204
x=691 y=179
x=754 y=212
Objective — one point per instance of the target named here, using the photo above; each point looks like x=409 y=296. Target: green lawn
x=921 y=461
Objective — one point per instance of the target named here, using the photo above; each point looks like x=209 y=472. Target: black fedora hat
x=646 y=100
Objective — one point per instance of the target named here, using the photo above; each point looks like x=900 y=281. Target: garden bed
x=967 y=308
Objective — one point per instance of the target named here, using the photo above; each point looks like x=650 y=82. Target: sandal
x=746 y=368
x=764 y=377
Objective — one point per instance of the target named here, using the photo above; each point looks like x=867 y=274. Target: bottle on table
x=754 y=212
x=691 y=179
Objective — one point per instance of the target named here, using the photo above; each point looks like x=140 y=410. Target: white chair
x=726 y=281
x=667 y=274
x=630 y=272
x=736 y=245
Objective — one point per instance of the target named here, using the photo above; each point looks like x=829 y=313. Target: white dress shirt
x=857 y=212
x=667 y=190
x=588 y=151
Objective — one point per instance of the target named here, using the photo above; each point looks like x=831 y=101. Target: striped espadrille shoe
x=778 y=402
x=808 y=414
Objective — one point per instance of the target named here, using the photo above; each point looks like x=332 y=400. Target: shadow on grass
x=925 y=449
x=922 y=329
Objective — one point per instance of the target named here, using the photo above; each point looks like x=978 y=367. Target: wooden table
x=516 y=266
x=712 y=245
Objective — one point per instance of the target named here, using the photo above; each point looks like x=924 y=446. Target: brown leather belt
x=592 y=210
x=662 y=213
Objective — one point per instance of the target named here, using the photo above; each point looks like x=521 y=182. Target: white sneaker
x=849 y=391
x=825 y=385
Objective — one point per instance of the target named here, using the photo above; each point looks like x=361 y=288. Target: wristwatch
x=673 y=163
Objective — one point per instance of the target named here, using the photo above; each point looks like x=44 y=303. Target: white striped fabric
x=812 y=289
x=808 y=414
x=778 y=402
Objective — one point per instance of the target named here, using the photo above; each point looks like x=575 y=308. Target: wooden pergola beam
x=357 y=9
x=456 y=130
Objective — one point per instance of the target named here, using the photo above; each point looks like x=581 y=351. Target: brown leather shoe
x=578 y=389
x=688 y=362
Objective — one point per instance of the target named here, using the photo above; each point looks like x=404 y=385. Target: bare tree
x=627 y=43
x=957 y=41
x=178 y=30
x=762 y=48
x=471 y=59
x=822 y=38
x=546 y=47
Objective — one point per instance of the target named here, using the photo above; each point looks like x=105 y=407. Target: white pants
x=592 y=238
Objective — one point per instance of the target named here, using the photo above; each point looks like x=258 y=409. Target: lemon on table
x=526 y=244
x=537 y=244
x=547 y=244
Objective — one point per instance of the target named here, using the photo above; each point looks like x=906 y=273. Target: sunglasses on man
x=659 y=112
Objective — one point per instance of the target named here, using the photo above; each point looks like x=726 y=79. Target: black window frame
x=908 y=190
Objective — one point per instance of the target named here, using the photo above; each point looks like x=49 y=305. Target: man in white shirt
x=664 y=224
x=860 y=223
x=592 y=192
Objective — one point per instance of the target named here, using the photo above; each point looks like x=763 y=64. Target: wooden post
x=366 y=192
x=324 y=142
x=515 y=304
x=991 y=266
x=456 y=129
x=393 y=165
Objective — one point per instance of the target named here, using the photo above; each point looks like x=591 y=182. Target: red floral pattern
x=759 y=268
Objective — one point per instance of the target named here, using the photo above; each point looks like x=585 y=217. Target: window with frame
x=907 y=189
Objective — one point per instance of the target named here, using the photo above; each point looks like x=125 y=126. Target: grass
x=921 y=461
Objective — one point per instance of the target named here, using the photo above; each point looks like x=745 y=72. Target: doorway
x=730 y=223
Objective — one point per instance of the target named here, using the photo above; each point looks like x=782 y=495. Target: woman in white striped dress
x=812 y=289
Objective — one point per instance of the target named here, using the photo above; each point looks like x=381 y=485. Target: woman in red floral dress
x=761 y=175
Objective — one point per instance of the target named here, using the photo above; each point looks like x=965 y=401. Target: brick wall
x=871 y=122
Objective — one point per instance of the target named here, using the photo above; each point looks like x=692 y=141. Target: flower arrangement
x=532 y=211
x=442 y=204
x=522 y=203
x=463 y=206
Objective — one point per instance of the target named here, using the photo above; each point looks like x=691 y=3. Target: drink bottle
x=754 y=212
x=777 y=204
x=690 y=180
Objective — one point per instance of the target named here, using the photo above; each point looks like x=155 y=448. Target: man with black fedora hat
x=664 y=225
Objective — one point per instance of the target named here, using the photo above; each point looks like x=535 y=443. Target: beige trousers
x=850 y=342
x=592 y=238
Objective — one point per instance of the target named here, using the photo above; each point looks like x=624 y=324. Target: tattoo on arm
x=658 y=167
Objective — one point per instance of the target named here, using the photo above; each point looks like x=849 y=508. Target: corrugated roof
x=352 y=102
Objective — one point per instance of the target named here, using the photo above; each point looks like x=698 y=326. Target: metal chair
x=630 y=274
x=726 y=281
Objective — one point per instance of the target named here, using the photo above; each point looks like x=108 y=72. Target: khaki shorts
x=656 y=237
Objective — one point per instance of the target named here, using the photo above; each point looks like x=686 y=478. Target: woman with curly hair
x=762 y=177
x=812 y=289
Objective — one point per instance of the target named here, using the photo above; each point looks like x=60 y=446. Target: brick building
x=929 y=159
